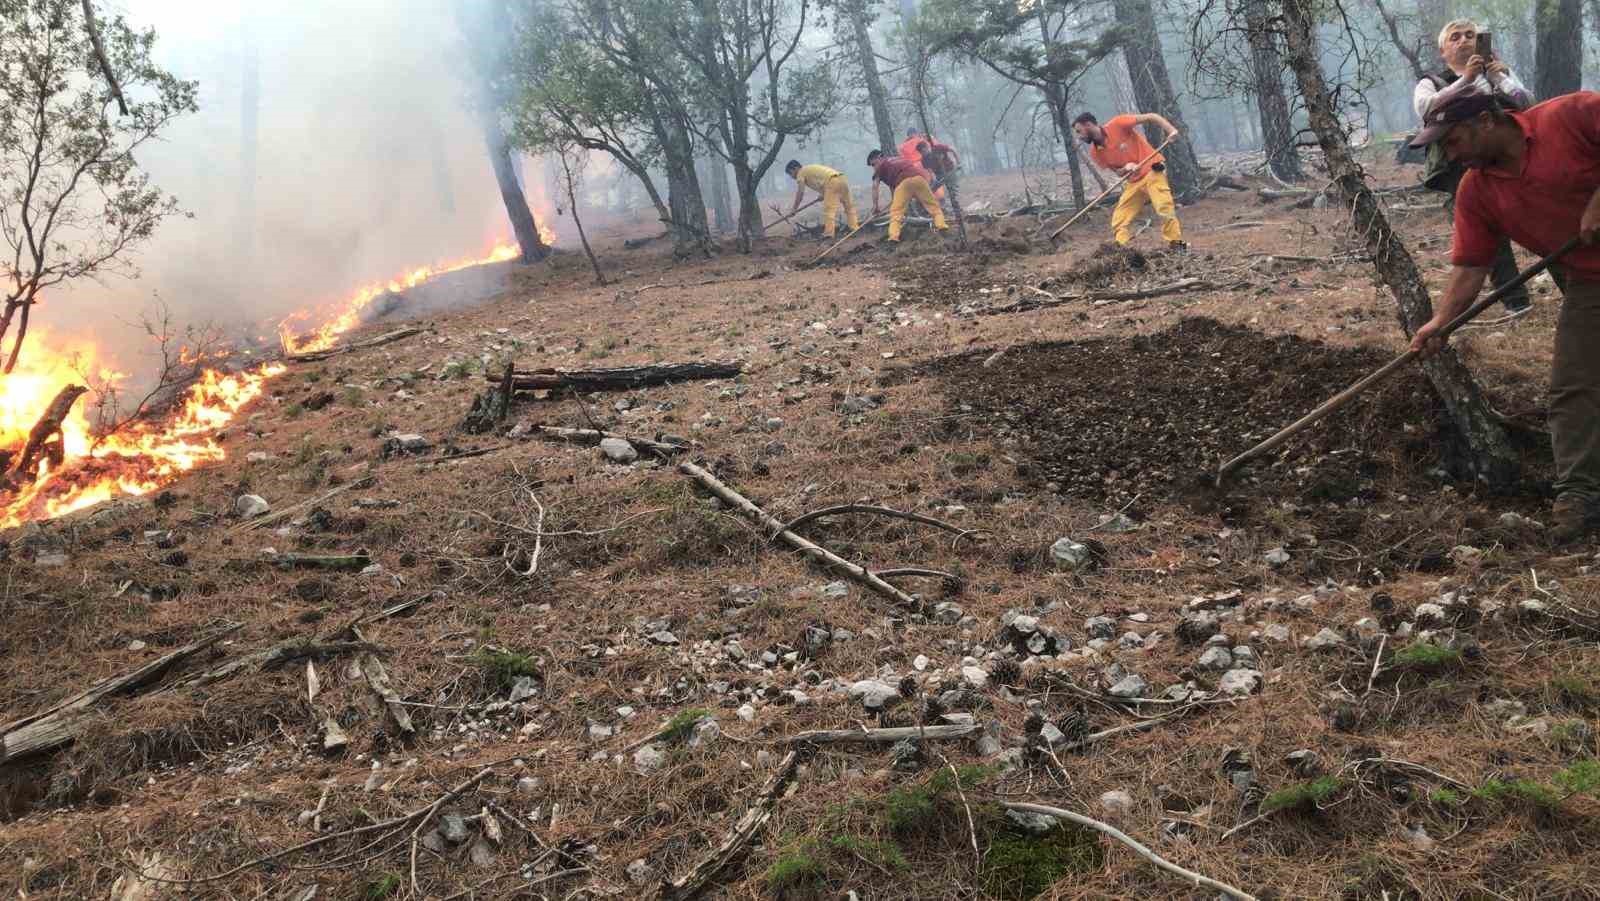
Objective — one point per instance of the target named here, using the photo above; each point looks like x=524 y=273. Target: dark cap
x=1444 y=116
x=873 y=155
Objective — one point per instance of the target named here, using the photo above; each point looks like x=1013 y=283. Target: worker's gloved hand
x=1426 y=342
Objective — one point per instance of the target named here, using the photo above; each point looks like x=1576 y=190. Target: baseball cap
x=1444 y=116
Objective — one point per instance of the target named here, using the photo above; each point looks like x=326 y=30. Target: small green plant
x=1302 y=794
x=456 y=369
x=798 y=869
x=381 y=886
x=1576 y=690
x=679 y=727
x=1019 y=867
x=1445 y=797
x=305 y=453
x=293 y=411
x=353 y=396
x=314 y=377
x=918 y=807
x=884 y=855
x=1581 y=778
x=505 y=667
x=1427 y=657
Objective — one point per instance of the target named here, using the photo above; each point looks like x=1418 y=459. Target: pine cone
x=908 y=687
x=1236 y=760
x=1075 y=725
x=1005 y=671
x=1033 y=725
x=1250 y=801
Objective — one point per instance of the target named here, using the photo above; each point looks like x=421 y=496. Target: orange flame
x=349 y=314
x=145 y=456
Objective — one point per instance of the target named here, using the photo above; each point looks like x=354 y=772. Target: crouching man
x=1534 y=177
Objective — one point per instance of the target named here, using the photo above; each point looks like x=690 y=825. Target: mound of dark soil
x=1147 y=414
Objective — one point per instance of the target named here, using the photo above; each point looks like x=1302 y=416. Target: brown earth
x=1116 y=403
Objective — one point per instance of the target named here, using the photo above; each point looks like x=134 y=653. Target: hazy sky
x=367 y=160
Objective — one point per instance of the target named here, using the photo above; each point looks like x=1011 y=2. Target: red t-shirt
x=892 y=170
x=1124 y=144
x=1539 y=207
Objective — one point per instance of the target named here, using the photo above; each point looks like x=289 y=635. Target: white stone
x=649 y=758
x=618 y=451
x=1325 y=640
x=920 y=663
x=746 y=713
x=1215 y=659
x=251 y=505
x=1069 y=554
x=1132 y=686
x=1276 y=557
x=874 y=695
x=975 y=677
x=1239 y=682
x=1116 y=803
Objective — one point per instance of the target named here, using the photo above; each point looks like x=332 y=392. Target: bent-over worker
x=1119 y=147
x=1534 y=177
x=834 y=188
x=908 y=181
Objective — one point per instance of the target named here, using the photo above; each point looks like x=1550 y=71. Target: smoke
x=365 y=160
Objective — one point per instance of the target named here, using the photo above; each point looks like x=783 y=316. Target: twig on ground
x=1141 y=850
x=699 y=876
x=972 y=826
x=842 y=509
x=1376 y=660
x=883 y=736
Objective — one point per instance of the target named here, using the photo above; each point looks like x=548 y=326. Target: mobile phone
x=1483 y=46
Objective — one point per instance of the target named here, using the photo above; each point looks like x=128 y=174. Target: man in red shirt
x=1534 y=177
x=1119 y=147
x=909 y=182
x=938 y=158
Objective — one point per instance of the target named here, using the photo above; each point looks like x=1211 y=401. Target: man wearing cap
x=908 y=181
x=1466 y=71
x=834 y=188
x=1534 y=177
x=1119 y=147
x=938 y=158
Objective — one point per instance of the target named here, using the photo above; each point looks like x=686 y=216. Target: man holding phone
x=1471 y=67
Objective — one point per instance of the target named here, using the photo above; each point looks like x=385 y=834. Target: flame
x=144 y=456
x=349 y=314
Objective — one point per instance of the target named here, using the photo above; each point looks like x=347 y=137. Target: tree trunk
x=868 y=61
x=1558 y=47
x=1276 y=129
x=716 y=172
x=577 y=220
x=1492 y=458
x=1153 y=89
x=1062 y=118
x=522 y=222
x=751 y=229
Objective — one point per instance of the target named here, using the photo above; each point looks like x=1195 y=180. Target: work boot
x=1178 y=246
x=1518 y=306
x=1572 y=518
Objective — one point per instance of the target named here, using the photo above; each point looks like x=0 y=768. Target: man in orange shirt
x=1119 y=147
x=922 y=149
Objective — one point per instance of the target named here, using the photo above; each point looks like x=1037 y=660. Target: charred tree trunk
x=1062 y=117
x=1493 y=459
x=716 y=172
x=1558 y=47
x=1276 y=129
x=1153 y=88
x=867 y=59
x=44 y=439
x=505 y=173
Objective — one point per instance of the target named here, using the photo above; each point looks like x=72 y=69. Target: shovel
x=1117 y=184
x=1350 y=393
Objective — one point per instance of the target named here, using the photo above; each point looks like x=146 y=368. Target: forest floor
x=1405 y=681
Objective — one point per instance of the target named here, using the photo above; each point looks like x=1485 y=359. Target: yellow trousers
x=1155 y=189
x=913 y=188
x=834 y=193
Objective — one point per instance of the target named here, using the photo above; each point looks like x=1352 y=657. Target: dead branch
x=93 y=28
x=1177 y=287
x=883 y=736
x=699 y=876
x=1123 y=837
x=620 y=379
x=378 y=680
x=912 y=571
x=315 y=355
x=399 y=822
x=337 y=562
x=278 y=515
x=842 y=509
x=57 y=725
x=39 y=444
x=816 y=552
x=592 y=437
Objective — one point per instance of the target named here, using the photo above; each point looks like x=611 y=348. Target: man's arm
x=1465 y=283
x=1507 y=85
x=1589 y=225
x=1422 y=97
x=875 y=182
x=1157 y=120
x=799 y=194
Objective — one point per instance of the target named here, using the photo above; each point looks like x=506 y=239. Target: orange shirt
x=908 y=149
x=1124 y=145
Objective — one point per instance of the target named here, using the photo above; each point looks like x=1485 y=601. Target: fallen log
x=816 y=552
x=57 y=726
x=619 y=379
x=592 y=437
x=39 y=445
x=699 y=876
x=884 y=736
x=315 y=355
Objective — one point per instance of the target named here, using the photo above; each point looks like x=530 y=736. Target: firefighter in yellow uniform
x=1119 y=147
x=834 y=188
x=909 y=182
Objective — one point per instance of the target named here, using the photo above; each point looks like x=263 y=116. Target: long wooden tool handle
x=1114 y=185
x=841 y=241
x=1400 y=362
x=791 y=215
